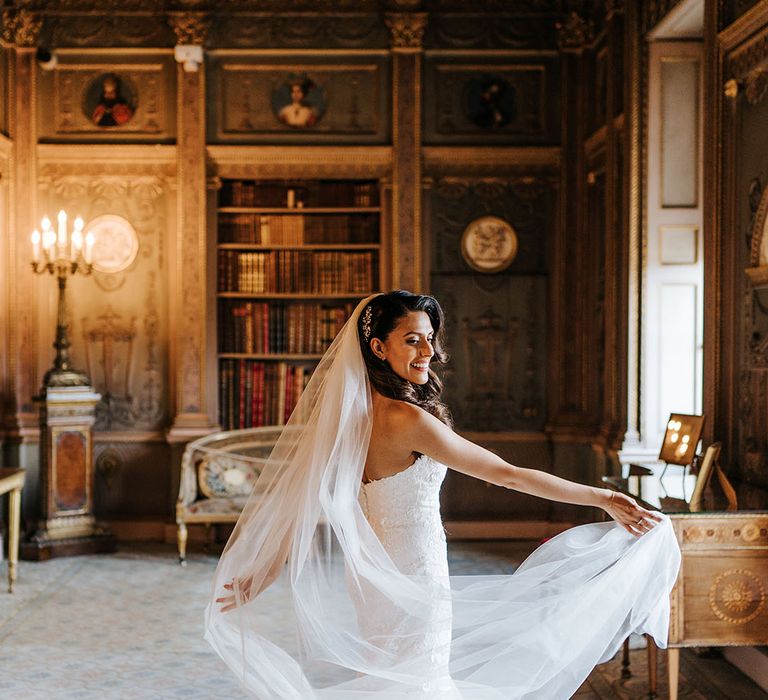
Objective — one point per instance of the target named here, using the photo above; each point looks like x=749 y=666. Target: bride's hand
x=633 y=518
x=229 y=602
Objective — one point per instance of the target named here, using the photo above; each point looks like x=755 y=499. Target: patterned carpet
x=128 y=626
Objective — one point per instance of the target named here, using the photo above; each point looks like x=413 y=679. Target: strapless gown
x=535 y=634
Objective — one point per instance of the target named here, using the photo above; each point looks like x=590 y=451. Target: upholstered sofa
x=218 y=472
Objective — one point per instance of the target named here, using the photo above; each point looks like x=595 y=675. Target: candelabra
x=62 y=254
x=67 y=402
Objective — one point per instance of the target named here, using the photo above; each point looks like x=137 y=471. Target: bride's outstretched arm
x=248 y=586
x=430 y=436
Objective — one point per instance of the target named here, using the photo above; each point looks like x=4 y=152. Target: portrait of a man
x=110 y=101
x=299 y=102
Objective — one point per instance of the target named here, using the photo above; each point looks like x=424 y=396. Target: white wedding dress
x=367 y=609
x=567 y=608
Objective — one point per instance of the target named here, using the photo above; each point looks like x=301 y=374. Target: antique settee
x=218 y=472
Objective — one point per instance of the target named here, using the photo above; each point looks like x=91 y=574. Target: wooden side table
x=12 y=482
x=721 y=594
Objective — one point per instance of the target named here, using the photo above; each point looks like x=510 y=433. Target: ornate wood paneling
x=23 y=341
x=496 y=322
x=347 y=96
x=738 y=397
x=73 y=89
x=484 y=101
x=315 y=28
x=133 y=479
x=119 y=325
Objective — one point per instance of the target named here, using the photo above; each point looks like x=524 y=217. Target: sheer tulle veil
x=534 y=634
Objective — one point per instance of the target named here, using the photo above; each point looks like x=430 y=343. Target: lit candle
x=77 y=238
x=89 y=240
x=49 y=241
x=46 y=235
x=77 y=243
x=35 y=245
x=62 y=217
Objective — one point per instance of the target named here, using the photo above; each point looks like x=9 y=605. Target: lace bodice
x=404 y=512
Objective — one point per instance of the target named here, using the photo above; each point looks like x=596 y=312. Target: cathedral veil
x=534 y=634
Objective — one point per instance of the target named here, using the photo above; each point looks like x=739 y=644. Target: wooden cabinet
x=720 y=595
x=293 y=259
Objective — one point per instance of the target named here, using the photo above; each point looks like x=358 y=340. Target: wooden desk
x=12 y=482
x=721 y=594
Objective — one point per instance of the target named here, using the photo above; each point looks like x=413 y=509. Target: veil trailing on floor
x=535 y=634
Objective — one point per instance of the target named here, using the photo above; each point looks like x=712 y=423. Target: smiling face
x=408 y=348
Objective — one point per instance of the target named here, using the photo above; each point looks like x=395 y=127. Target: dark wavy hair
x=386 y=311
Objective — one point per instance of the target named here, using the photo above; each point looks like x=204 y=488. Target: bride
x=347 y=507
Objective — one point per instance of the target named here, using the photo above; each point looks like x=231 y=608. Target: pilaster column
x=21 y=29
x=407 y=29
x=193 y=404
x=571 y=401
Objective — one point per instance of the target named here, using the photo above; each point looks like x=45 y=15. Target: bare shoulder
x=416 y=428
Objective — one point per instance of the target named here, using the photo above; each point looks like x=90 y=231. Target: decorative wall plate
x=489 y=244
x=116 y=243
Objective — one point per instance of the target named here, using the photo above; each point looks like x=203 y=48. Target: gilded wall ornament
x=407 y=29
x=575 y=32
x=190 y=27
x=116 y=243
x=489 y=244
x=21 y=27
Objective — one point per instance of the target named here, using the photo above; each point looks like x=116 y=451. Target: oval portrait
x=299 y=102
x=115 y=243
x=110 y=100
x=490 y=101
x=489 y=244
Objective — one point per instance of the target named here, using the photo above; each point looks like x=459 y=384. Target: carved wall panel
x=485 y=102
x=496 y=323
x=4 y=92
x=338 y=30
x=752 y=350
x=733 y=9
x=119 y=326
x=531 y=29
x=316 y=101
x=123 y=98
x=130 y=479
x=5 y=351
x=105 y=26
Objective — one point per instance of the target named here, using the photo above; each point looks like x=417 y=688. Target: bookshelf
x=293 y=259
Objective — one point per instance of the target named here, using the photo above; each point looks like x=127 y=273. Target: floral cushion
x=223 y=475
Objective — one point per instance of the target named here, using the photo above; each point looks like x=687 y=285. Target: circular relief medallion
x=489 y=244
x=115 y=245
x=737 y=596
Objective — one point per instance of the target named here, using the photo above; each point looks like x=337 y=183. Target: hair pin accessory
x=367 y=323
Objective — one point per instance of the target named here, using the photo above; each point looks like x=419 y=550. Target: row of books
x=257 y=393
x=297 y=272
x=277 y=327
x=291 y=229
x=306 y=193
